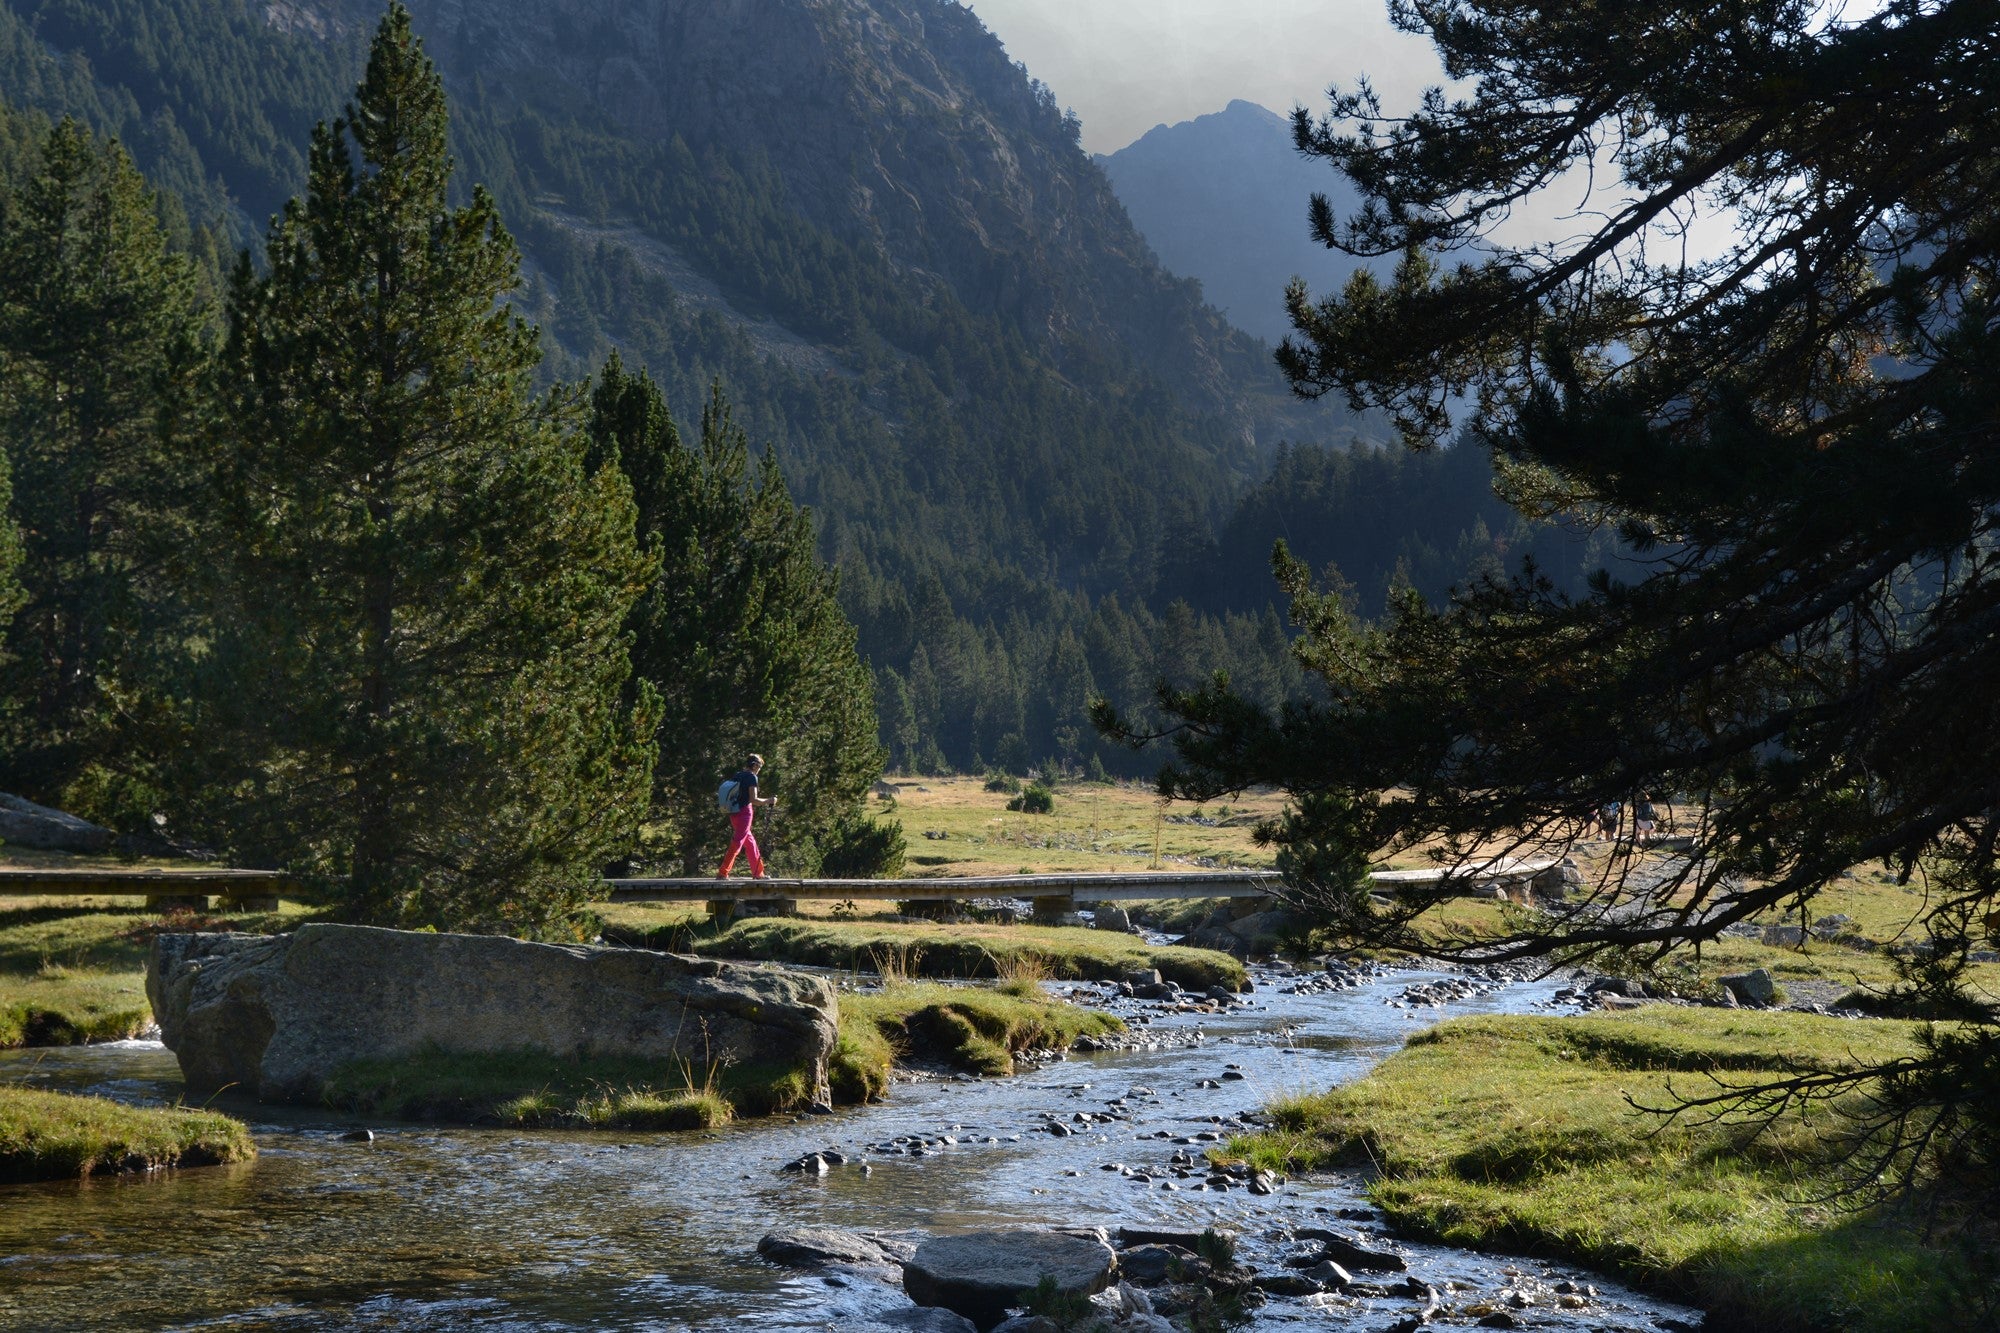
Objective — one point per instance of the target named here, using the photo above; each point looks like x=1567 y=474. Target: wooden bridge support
x=1051 y=908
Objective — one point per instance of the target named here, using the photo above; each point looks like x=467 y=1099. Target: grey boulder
x=1109 y=916
x=1753 y=987
x=25 y=824
x=982 y=1273
x=1149 y=1264
x=924 y=1319
x=827 y=1247
x=278 y=1015
x=1260 y=925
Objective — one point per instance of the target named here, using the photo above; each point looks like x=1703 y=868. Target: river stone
x=25 y=824
x=924 y=1319
x=1350 y=1253
x=982 y=1273
x=1260 y=925
x=821 y=1247
x=277 y=1015
x=1109 y=916
x=1150 y=1264
x=1286 y=1284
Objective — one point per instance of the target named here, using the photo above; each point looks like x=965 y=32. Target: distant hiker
x=739 y=798
x=1644 y=820
x=1607 y=820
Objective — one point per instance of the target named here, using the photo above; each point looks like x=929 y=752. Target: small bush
x=1045 y=1300
x=1217 y=1249
x=998 y=781
x=862 y=848
x=1035 y=800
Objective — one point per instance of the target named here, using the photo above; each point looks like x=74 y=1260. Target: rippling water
x=433 y=1228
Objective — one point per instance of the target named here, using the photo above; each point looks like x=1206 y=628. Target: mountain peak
x=1222 y=198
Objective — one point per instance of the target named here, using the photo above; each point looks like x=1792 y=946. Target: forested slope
x=1015 y=426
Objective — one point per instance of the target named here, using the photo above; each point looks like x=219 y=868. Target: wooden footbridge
x=1053 y=896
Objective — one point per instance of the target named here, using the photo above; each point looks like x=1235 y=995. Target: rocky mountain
x=1222 y=199
x=898 y=126
x=873 y=226
x=1020 y=432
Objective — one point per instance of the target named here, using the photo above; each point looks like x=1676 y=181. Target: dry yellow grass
x=1095 y=827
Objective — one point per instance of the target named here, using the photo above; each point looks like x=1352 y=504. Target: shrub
x=862 y=848
x=998 y=781
x=1035 y=800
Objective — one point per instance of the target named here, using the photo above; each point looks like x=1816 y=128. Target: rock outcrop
x=277 y=1015
x=981 y=1274
x=25 y=824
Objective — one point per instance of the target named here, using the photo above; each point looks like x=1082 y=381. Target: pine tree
x=99 y=328
x=420 y=668
x=742 y=636
x=1797 y=434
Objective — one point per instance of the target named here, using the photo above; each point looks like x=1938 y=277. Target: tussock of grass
x=56 y=1136
x=1516 y=1133
x=532 y=1089
x=969 y=951
x=967 y=1027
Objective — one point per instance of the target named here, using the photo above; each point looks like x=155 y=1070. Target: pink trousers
x=742 y=841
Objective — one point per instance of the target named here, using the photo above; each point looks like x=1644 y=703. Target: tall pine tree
x=743 y=638
x=420 y=666
x=99 y=326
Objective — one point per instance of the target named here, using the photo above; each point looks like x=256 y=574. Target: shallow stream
x=450 y=1228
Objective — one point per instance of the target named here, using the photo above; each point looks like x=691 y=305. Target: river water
x=451 y=1228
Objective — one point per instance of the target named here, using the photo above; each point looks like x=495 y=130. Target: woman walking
x=745 y=800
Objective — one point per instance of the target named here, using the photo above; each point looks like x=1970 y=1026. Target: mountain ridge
x=1222 y=199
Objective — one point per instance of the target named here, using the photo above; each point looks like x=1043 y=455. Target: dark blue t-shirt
x=746 y=788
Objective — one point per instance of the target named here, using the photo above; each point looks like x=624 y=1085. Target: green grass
x=973 y=1028
x=534 y=1089
x=75 y=970
x=956 y=951
x=56 y=1136
x=1515 y=1134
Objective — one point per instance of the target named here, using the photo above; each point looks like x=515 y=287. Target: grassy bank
x=958 y=951
x=972 y=1028
x=529 y=1089
x=1515 y=1134
x=55 y=1136
x=74 y=970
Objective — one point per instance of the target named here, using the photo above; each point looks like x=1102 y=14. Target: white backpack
x=725 y=796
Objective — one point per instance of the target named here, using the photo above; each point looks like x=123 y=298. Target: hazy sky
x=1128 y=65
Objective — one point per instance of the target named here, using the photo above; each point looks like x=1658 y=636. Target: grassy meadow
x=74 y=969
x=1517 y=1134
x=1096 y=828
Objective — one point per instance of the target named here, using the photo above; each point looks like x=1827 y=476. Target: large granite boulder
x=25 y=824
x=982 y=1273
x=276 y=1015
